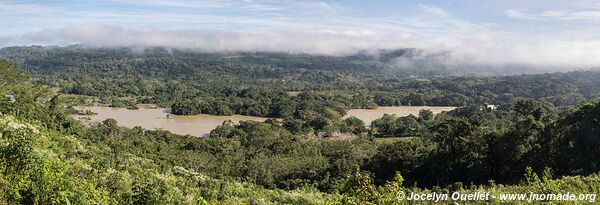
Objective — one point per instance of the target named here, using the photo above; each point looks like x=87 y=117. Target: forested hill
x=166 y=76
x=401 y=62
x=182 y=62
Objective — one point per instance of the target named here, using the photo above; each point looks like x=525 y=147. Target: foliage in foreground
x=359 y=189
x=40 y=166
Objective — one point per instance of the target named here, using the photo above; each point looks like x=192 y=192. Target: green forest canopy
x=48 y=157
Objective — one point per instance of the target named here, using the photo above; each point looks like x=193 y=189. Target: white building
x=490 y=106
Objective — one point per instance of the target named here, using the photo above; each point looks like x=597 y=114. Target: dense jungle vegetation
x=544 y=138
x=259 y=84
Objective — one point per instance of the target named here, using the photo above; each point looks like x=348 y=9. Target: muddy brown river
x=201 y=125
x=197 y=125
x=368 y=115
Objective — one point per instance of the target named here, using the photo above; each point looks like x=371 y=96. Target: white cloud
x=4 y=41
x=322 y=42
x=323 y=28
x=25 y=8
x=497 y=49
x=262 y=6
x=585 y=15
x=434 y=10
x=518 y=14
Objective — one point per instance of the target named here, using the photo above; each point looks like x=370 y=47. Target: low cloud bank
x=490 y=49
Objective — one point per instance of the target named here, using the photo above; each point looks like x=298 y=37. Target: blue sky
x=537 y=32
x=509 y=15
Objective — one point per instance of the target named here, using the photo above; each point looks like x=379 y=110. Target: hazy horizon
x=557 y=35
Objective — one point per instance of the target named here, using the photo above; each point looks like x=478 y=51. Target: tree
x=354 y=125
x=461 y=152
x=517 y=148
x=425 y=115
x=405 y=156
x=408 y=126
x=360 y=186
x=578 y=140
x=111 y=127
x=11 y=75
x=384 y=126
